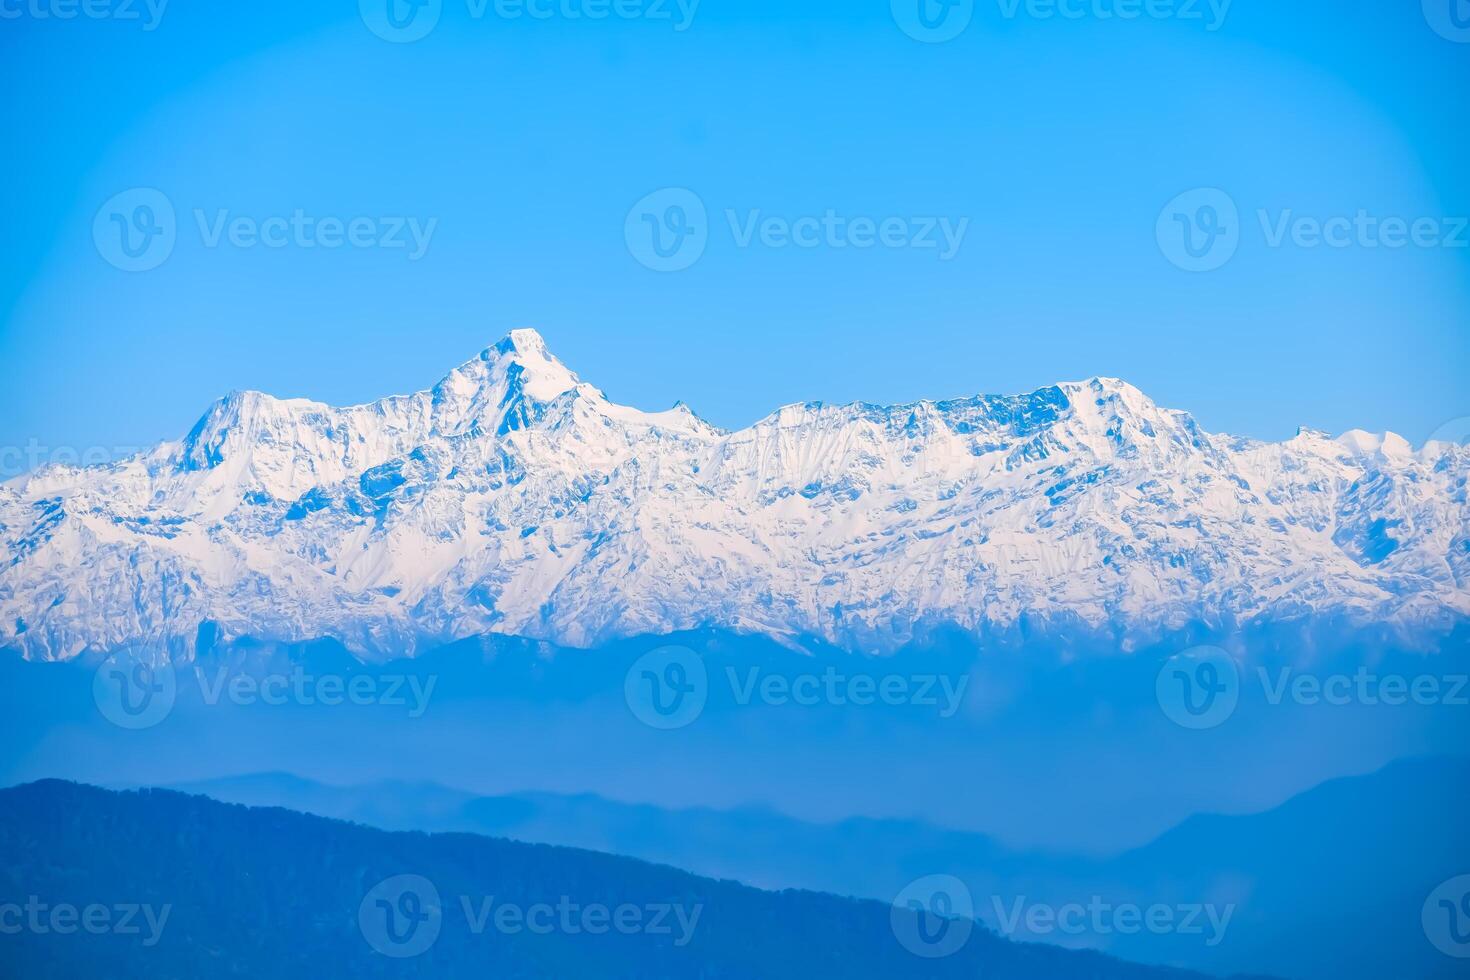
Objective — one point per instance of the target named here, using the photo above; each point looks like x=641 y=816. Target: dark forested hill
x=1329 y=885
x=159 y=884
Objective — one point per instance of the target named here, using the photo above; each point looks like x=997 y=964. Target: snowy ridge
x=514 y=498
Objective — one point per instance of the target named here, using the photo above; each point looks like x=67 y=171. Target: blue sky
x=521 y=144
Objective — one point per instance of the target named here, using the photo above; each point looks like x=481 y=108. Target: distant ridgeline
x=182 y=886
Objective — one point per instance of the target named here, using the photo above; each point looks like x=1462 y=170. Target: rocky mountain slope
x=514 y=498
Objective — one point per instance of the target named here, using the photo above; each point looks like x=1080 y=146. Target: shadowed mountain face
x=1330 y=884
x=160 y=884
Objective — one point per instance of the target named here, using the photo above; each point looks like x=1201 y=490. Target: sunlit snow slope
x=514 y=498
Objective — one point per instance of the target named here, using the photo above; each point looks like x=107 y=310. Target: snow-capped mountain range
x=514 y=498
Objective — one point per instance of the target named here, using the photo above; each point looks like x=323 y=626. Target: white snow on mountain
x=514 y=498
